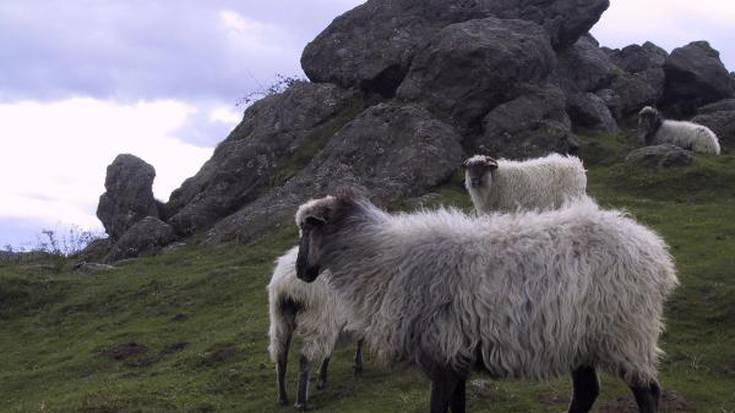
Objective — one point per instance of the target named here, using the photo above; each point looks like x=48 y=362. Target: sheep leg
x=647 y=397
x=458 y=401
x=357 y=368
x=303 y=394
x=443 y=387
x=586 y=389
x=322 y=380
x=289 y=317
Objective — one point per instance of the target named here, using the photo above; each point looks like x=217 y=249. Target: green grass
x=194 y=320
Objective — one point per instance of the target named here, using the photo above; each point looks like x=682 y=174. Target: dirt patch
x=670 y=402
x=219 y=353
x=124 y=351
x=174 y=348
x=554 y=399
x=180 y=317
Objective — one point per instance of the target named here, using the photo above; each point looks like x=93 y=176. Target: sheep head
x=649 y=120
x=477 y=169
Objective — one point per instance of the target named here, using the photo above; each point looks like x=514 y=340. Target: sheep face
x=478 y=171
x=311 y=219
x=649 y=120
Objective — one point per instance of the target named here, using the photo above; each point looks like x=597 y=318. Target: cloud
x=55 y=154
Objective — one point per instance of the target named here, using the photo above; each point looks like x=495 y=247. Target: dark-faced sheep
x=313 y=312
x=533 y=295
x=688 y=135
x=540 y=183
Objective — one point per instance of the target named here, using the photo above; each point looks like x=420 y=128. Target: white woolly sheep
x=532 y=294
x=311 y=311
x=506 y=185
x=687 y=135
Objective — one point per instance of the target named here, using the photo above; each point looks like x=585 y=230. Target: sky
x=82 y=81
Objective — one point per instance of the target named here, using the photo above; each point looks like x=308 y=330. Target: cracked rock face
x=373 y=45
x=391 y=150
x=129 y=195
x=149 y=234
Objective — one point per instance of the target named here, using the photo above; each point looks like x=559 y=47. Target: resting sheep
x=313 y=312
x=541 y=183
x=533 y=295
x=687 y=135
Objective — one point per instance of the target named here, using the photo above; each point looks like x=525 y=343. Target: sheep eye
x=314 y=222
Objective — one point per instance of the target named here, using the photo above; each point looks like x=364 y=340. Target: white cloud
x=225 y=114
x=54 y=155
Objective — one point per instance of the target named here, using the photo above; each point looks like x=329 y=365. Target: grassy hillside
x=185 y=331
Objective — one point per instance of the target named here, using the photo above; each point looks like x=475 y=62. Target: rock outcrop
x=665 y=155
x=149 y=234
x=373 y=45
x=720 y=117
x=695 y=76
x=129 y=195
x=500 y=56
x=391 y=150
x=259 y=151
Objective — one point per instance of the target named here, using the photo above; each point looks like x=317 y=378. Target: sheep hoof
x=356 y=371
x=321 y=384
x=282 y=401
x=301 y=407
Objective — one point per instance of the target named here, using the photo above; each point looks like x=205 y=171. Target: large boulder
x=665 y=155
x=149 y=234
x=589 y=111
x=129 y=195
x=639 y=58
x=723 y=124
x=584 y=67
x=695 y=76
x=724 y=105
x=274 y=134
x=373 y=45
x=391 y=150
x=533 y=124
x=637 y=81
x=469 y=68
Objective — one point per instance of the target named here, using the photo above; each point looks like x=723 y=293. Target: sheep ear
x=492 y=163
x=466 y=163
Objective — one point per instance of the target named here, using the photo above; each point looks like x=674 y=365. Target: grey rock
x=92 y=267
x=665 y=155
x=635 y=58
x=722 y=123
x=129 y=195
x=725 y=105
x=695 y=76
x=391 y=150
x=590 y=111
x=584 y=67
x=631 y=92
x=149 y=234
x=372 y=45
x=259 y=151
x=95 y=250
x=469 y=68
x=533 y=124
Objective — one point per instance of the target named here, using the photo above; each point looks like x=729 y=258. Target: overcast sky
x=81 y=81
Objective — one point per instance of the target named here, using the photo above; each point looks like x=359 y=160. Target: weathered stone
x=584 y=67
x=149 y=234
x=391 y=150
x=373 y=45
x=129 y=195
x=634 y=91
x=95 y=251
x=259 y=151
x=92 y=267
x=497 y=55
x=726 y=105
x=533 y=124
x=722 y=123
x=590 y=111
x=635 y=58
x=665 y=155
x=695 y=76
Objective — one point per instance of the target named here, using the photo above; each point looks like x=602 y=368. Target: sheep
x=527 y=294
x=315 y=314
x=687 y=135
x=506 y=185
